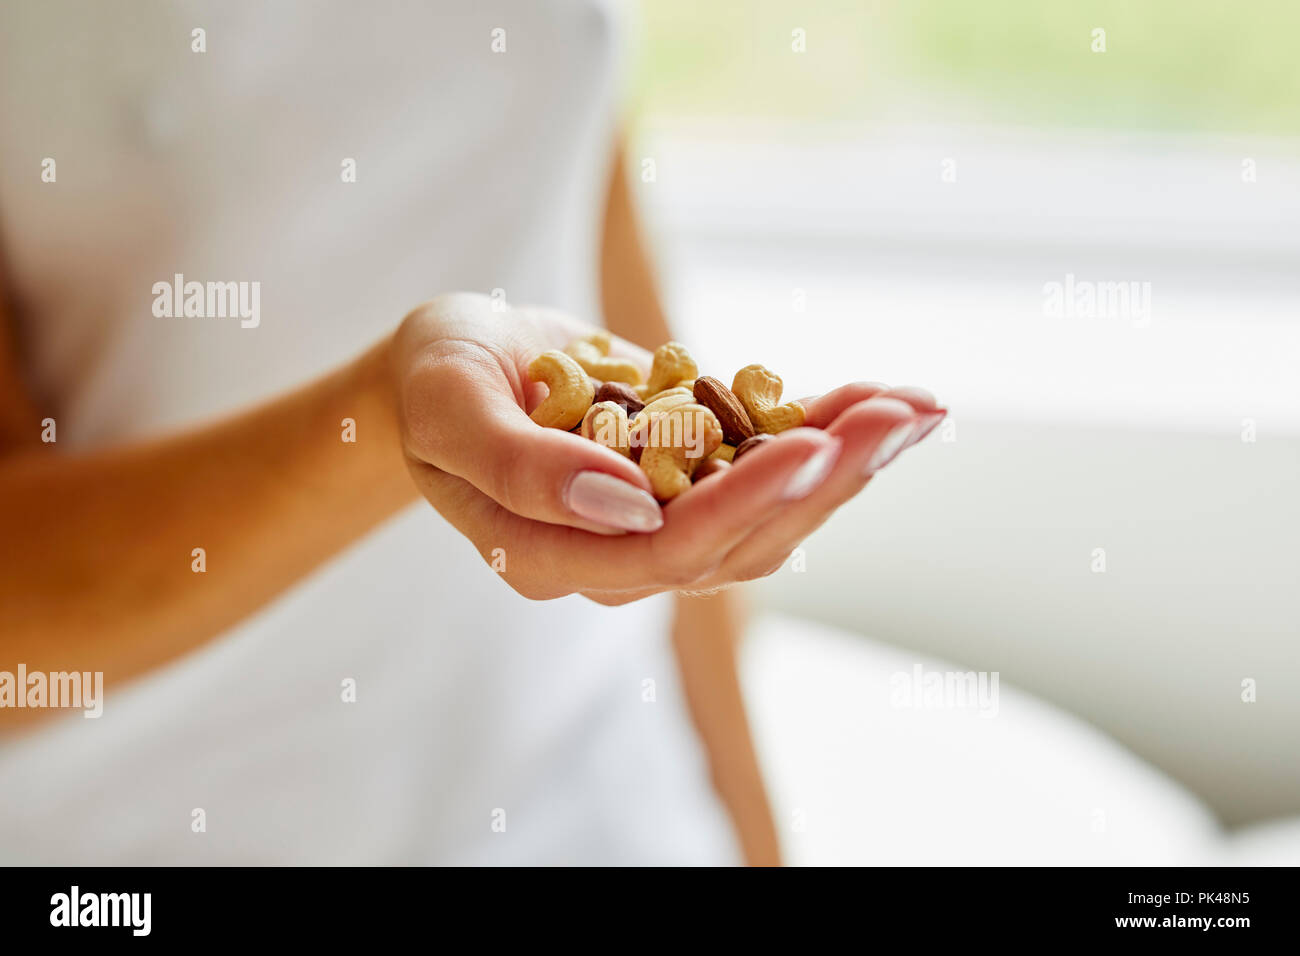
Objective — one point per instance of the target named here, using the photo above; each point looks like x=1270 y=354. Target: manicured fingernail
x=612 y=501
x=890 y=446
x=812 y=472
x=926 y=424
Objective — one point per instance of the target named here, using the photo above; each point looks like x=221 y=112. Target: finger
x=821 y=410
x=464 y=411
x=548 y=560
x=705 y=522
x=929 y=412
x=824 y=409
x=872 y=434
x=702 y=525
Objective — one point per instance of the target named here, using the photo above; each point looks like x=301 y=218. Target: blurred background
x=895 y=191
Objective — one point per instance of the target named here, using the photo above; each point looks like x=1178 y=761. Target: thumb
x=464 y=417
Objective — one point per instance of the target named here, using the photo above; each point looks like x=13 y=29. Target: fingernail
x=890 y=446
x=612 y=501
x=926 y=424
x=812 y=472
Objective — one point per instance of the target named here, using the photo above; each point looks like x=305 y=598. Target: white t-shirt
x=486 y=728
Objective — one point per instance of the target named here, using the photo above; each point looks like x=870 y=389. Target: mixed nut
x=677 y=424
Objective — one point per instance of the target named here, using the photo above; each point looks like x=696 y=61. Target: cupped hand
x=571 y=516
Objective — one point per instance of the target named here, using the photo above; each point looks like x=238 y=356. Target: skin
x=441 y=411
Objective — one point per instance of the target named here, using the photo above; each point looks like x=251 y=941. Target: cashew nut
x=639 y=436
x=592 y=353
x=686 y=435
x=724 y=453
x=570 y=393
x=671 y=366
x=675 y=390
x=759 y=390
x=666 y=400
x=606 y=424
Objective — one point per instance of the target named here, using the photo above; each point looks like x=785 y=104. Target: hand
x=575 y=517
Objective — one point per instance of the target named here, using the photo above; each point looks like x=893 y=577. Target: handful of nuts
x=680 y=426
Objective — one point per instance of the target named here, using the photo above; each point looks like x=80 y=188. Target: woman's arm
x=707 y=627
x=98 y=566
x=97 y=561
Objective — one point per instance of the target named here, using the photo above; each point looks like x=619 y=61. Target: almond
x=749 y=444
x=717 y=398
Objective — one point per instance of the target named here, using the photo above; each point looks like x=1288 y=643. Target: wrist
x=368 y=421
